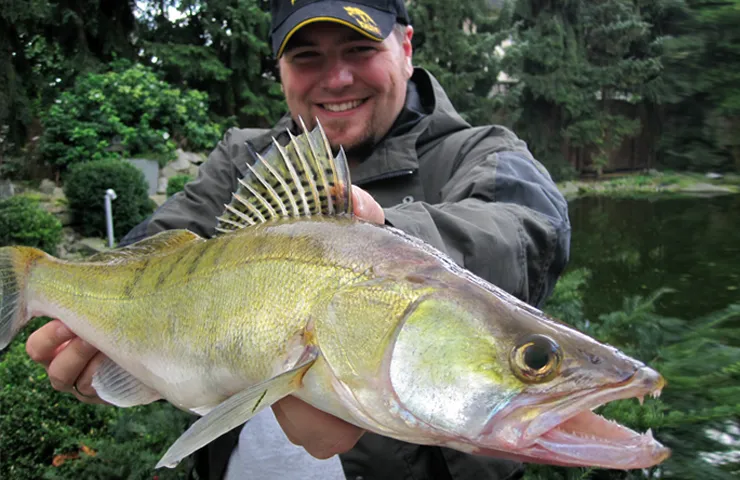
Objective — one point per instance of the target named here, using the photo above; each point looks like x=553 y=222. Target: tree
x=219 y=47
x=456 y=42
x=576 y=63
x=700 y=100
x=49 y=43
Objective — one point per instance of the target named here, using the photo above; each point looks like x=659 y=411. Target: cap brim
x=374 y=24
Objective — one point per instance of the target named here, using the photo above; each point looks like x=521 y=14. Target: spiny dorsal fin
x=300 y=179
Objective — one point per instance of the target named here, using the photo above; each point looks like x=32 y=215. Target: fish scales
x=296 y=296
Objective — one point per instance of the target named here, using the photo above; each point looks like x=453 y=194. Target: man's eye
x=305 y=56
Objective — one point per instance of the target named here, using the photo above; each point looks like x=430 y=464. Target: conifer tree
x=574 y=60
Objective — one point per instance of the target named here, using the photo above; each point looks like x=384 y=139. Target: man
x=475 y=193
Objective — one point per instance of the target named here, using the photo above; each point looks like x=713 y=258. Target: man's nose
x=338 y=76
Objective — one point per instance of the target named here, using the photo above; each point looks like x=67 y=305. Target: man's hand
x=68 y=360
x=365 y=206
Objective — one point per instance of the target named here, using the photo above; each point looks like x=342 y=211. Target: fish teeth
x=655 y=393
x=641 y=399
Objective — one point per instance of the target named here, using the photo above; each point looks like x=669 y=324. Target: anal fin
x=237 y=409
x=115 y=385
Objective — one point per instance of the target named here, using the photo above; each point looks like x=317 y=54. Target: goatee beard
x=357 y=153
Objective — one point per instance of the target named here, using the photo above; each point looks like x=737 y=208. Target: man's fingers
x=85 y=391
x=43 y=344
x=69 y=364
x=321 y=434
x=365 y=206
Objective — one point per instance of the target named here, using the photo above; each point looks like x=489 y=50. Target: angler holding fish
x=291 y=300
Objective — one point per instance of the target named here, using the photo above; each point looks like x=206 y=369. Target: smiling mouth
x=343 y=106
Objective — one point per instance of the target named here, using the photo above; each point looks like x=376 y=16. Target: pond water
x=636 y=246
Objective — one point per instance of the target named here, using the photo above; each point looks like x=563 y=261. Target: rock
x=192 y=157
x=7 y=189
x=47 y=186
x=162 y=185
x=58 y=194
x=168 y=172
x=714 y=175
x=65 y=218
x=182 y=163
x=653 y=172
x=90 y=246
x=158 y=199
x=193 y=172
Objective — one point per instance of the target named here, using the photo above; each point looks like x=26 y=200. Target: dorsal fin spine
x=273 y=194
x=341 y=178
x=265 y=203
x=282 y=183
x=294 y=176
x=226 y=221
x=249 y=207
x=309 y=172
x=239 y=214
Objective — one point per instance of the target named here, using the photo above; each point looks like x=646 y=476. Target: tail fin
x=14 y=268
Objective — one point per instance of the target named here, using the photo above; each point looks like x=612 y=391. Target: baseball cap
x=372 y=18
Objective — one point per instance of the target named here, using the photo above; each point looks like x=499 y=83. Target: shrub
x=85 y=188
x=51 y=435
x=24 y=222
x=177 y=183
x=124 y=112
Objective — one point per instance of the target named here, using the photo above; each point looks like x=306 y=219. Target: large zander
x=296 y=296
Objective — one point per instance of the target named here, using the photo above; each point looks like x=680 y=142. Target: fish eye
x=536 y=359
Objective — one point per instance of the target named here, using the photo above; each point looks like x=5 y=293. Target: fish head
x=488 y=374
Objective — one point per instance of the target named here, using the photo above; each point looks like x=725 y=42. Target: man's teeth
x=340 y=107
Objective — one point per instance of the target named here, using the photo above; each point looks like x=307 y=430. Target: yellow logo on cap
x=364 y=20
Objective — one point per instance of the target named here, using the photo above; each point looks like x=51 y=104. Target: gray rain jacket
x=475 y=193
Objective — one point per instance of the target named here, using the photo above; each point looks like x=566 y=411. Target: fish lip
x=540 y=438
x=645 y=381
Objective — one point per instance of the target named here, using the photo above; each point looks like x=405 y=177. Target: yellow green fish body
x=363 y=321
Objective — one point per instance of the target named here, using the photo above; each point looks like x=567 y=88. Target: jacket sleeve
x=202 y=200
x=500 y=216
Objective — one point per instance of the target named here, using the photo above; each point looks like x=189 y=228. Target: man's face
x=355 y=86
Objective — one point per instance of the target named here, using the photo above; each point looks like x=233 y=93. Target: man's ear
x=408 y=49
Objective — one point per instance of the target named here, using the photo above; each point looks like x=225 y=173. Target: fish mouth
x=565 y=431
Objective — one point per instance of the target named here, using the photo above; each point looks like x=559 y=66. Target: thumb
x=365 y=206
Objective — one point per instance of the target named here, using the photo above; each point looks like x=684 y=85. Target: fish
x=294 y=295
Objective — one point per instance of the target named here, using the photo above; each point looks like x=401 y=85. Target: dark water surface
x=635 y=246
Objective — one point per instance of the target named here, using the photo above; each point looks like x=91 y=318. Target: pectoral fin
x=115 y=385
x=236 y=410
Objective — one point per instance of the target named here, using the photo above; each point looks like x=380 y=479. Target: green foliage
x=177 y=183
x=700 y=361
x=46 y=45
x=85 y=188
x=127 y=111
x=24 y=222
x=455 y=41
x=577 y=65
x=699 y=96
x=98 y=441
x=220 y=47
